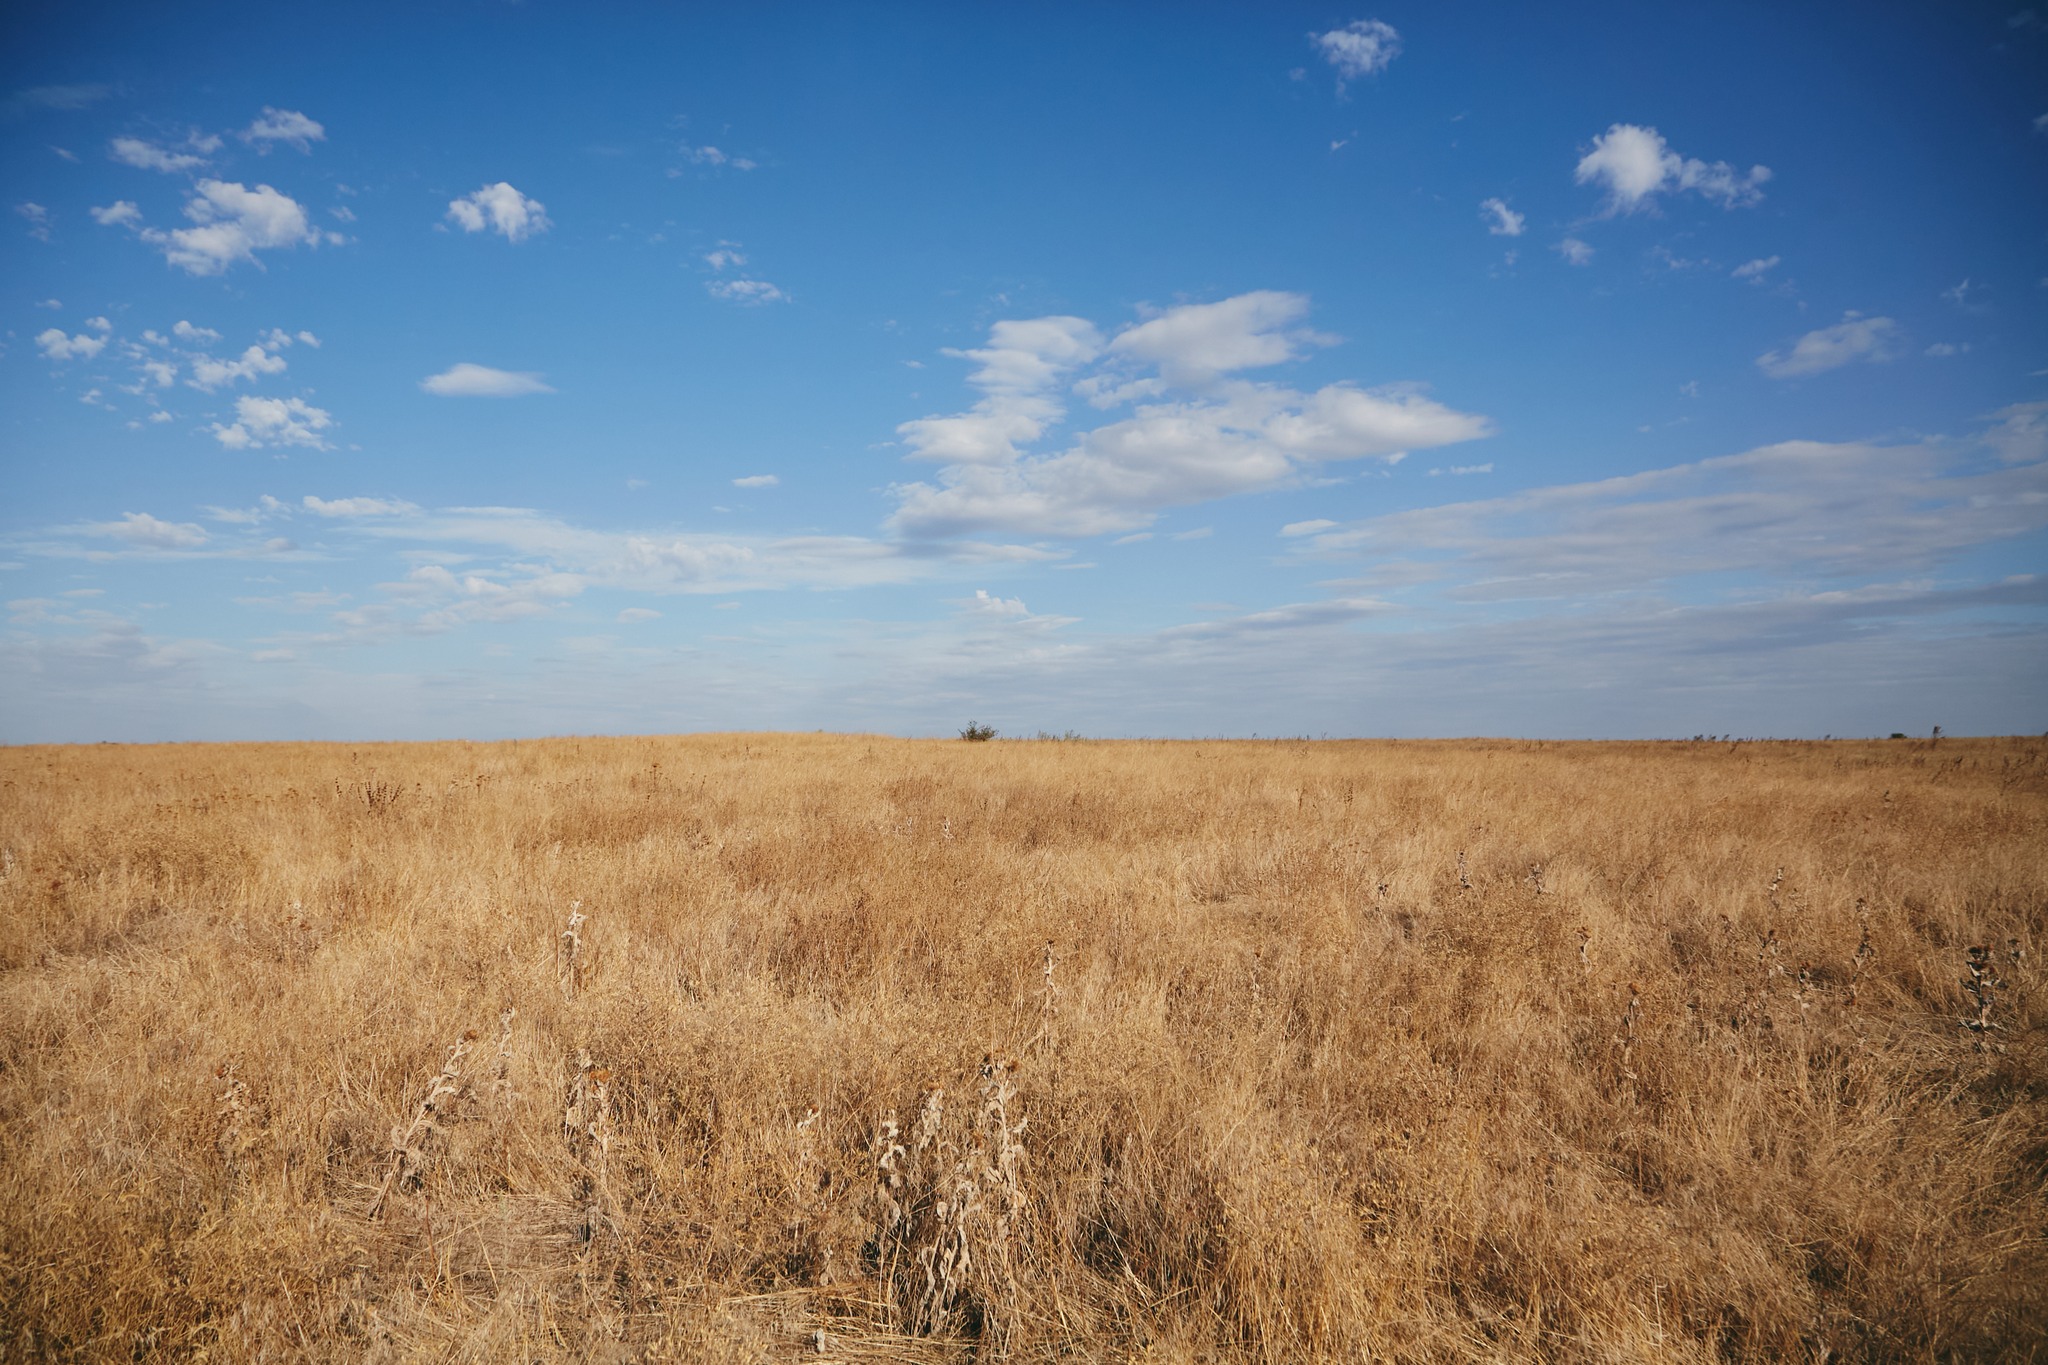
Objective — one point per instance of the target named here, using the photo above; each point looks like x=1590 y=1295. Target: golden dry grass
x=1396 y=1051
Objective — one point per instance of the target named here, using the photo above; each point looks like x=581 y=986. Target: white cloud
x=185 y=331
x=1755 y=270
x=481 y=381
x=1363 y=47
x=38 y=220
x=209 y=374
x=502 y=209
x=54 y=344
x=1960 y=294
x=161 y=416
x=1306 y=528
x=726 y=256
x=51 y=304
x=272 y=422
x=358 y=507
x=751 y=293
x=1197 y=342
x=1502 y=221
x=2021 y=436
x=1635 y=164
x=288 y=126
x=1574 y=251
x=120 y=213
x=1459 y=470
x=632 y=615
x=1948 y=348
x=1203 y=436
x=1199 y=533
x=1852 y=339
x=756 y=481
x=233 y=222
x=148 y=156
x=146 y=532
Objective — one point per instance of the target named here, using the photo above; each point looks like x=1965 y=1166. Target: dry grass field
x=755 y=1047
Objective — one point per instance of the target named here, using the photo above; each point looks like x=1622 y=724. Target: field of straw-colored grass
x=774 y=1047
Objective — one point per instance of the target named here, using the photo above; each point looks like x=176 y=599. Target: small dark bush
x=977 y=732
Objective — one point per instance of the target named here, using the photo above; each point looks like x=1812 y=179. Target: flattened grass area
x=872 y=1049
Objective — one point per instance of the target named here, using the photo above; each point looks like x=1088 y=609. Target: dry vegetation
x=778 y=1047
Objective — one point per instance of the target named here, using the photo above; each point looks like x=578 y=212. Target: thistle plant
x=410 y=1151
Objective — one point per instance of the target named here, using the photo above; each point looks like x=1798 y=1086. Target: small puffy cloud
x=1634 y=164
x=38 y=220
x=120 y=213
x=749 y=293
x=288 y=126
x=1574 y=251
x=99 y=324
x=161 y=416
x=146 y=532
x=634 y=615
x=54 y=344
x=1960 y=294
x=499 y=208
x=185 y=331
x=1754 y=271
x=1501 y=221
x=756 y=481
x=209 y=374
x=358 y=507
x=52 y=304
x=148 y=156
x=233 y=222
x=725 y=256
x=1948 y=348
x=1306 y=528
x=273 y=422
x=1829 y=348
x=1363 y=47
x=481 y=381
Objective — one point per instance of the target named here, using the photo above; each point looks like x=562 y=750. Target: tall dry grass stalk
x=924 y=1051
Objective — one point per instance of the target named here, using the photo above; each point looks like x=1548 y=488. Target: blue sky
x=492 y=370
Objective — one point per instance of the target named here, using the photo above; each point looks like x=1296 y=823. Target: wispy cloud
x=1855 y=338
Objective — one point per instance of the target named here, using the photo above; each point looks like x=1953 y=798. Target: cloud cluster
x=1195 y=431
x=1634 y=164
x=501 y=209
x=262 y=423
x=232 y=223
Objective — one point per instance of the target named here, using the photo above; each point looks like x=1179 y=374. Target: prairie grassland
x=754 y=1047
